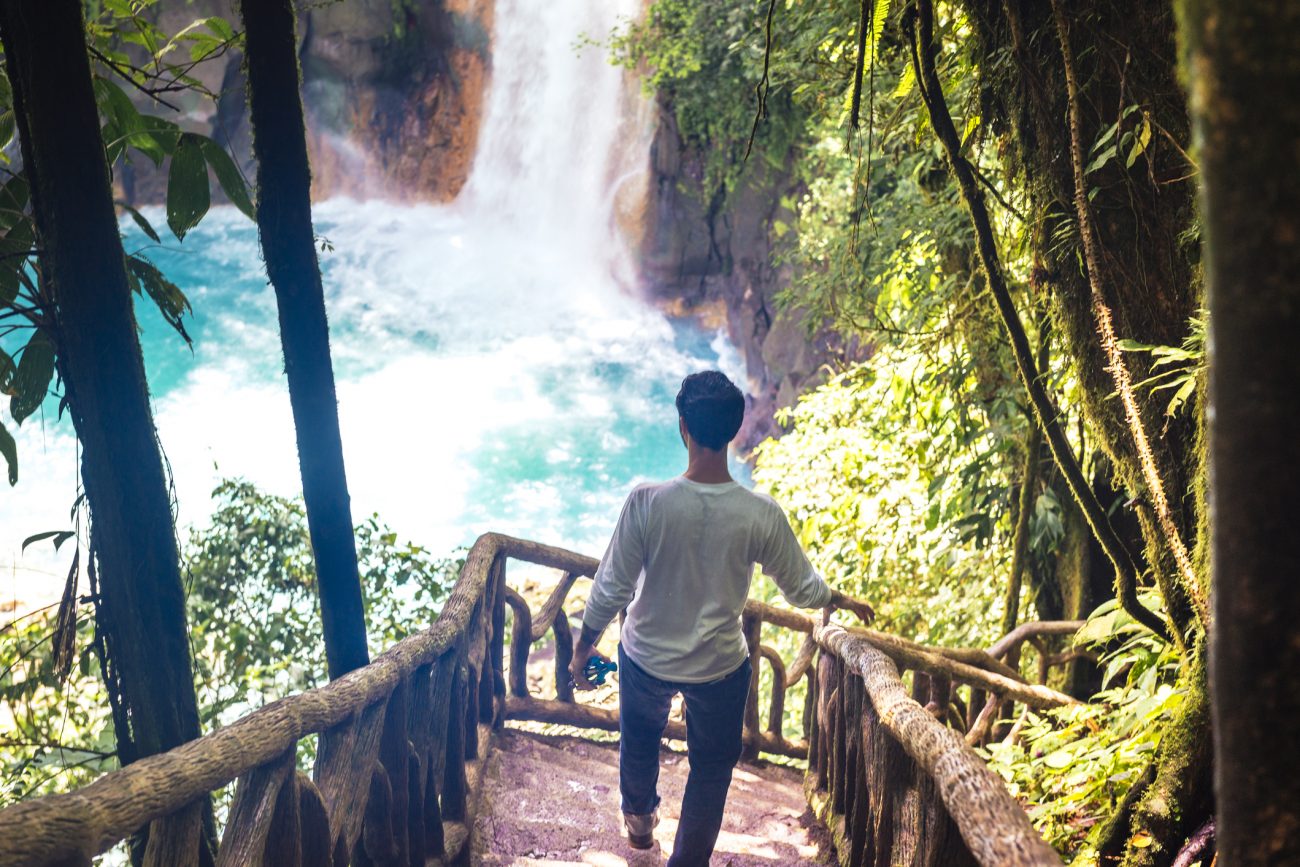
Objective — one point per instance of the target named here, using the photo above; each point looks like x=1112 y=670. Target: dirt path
x=554 y=800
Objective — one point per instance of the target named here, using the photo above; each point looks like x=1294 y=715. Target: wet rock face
x=703 y=256
x=393 y=92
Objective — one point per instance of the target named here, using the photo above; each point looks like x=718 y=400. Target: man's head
x=711 y=407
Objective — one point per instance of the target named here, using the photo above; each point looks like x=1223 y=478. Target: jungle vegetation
x=999 y=198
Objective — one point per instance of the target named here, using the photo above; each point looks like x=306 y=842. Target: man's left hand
x=577 y=667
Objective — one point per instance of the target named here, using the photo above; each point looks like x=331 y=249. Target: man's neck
x=707 y=467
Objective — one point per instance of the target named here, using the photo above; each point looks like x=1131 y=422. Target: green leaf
x=17 y=238
x=1140 y=143
x=1101 y=159
x=188 y=197
x=1180 y=396
x=125 y=126
x=171 y=301
x=6 y=130
x=166 y=133
x=140 y=221
x=59 y=537
x=12 y=245
x=906 y=82
x=1128 y=344
x=9 y=449
x=7 y=368
x=228 y=175
x=221 y=27
x=1112 y=129
x=13 y=201
x=32 y=381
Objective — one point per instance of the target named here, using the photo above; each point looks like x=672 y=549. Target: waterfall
x=563 y=131
x=495 y=368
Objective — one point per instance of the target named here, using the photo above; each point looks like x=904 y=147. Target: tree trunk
x=972 y=196
x=1143 y=220
x=1146 y=280
x=1242 y=61
x=1020 y=543
x=288 y=246
x=141 y=600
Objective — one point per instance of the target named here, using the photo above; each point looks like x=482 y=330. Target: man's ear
x=681 y=429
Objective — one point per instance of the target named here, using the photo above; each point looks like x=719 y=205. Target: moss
x=1180 y=793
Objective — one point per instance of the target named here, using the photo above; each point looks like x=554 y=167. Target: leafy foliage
x=252 y=597
x=128 y=51
x=899 y=491
x=1075 y=764
x=255 y=635
x=1183 y=366
x=57 y=733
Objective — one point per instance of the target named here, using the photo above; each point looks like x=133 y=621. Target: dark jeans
x=715 y=714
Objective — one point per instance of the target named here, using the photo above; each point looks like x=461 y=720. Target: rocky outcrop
x=393 y=91
x=711 y=256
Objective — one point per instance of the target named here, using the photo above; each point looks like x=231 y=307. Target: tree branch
x=765 y=83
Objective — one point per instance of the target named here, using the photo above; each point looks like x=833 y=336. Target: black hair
x=712 y=408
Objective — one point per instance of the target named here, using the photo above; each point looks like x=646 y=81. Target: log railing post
x=395 y=758
x=563 y=655
x=497 y=646
x=521 y=638
x=485 y=680
x=249 y=822
x=174 y=839
x=776 y=708
x=453 y=783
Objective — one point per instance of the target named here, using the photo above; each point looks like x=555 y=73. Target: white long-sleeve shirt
x=680 y=561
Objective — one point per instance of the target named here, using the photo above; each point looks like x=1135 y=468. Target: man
x=680 y=561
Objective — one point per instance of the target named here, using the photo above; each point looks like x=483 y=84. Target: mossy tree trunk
x=1142 y=217
x=141 y=600
x=1244 y=71
x=288 y=246
x=1138 y=218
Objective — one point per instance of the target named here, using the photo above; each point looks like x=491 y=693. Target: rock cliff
x=711 y=256
x=393 y=91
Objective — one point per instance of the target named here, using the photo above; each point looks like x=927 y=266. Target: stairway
x=430 y=755
x=553 y=800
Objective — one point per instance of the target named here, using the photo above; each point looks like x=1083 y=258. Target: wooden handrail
x=887 y=806
x=364 y=721
x=1032 y=629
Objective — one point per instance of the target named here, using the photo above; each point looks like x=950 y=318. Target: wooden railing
x=897 y=782
x=398 y=761
x=402 y=742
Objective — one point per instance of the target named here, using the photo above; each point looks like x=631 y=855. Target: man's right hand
x=862 y=609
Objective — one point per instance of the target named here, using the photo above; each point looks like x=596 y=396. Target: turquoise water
x=478 y=390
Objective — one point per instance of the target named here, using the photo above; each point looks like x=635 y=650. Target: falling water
x=495 y=369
